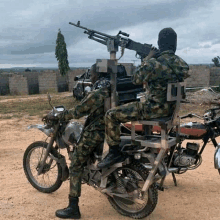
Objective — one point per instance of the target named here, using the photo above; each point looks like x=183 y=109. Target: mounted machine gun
x=112 y=43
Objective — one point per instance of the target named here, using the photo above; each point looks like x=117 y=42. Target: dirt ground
x=196 y=197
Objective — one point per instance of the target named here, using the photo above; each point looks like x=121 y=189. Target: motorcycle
x=46 y=168
x=209 y=130
x=124 y=184
x=183 y=158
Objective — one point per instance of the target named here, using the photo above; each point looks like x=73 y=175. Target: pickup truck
x=126 y=90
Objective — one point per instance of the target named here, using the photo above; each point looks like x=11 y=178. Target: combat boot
x=114 y=156
x=72 y=211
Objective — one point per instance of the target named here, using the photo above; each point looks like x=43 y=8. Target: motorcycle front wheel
x=133 y=176
x=50 y=179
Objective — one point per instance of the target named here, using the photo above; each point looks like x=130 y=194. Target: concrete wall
x=4 y=84
x=32 y=80
x=215 y=76
x=199 y=76
x=52 y=81
x=18 y=85
x=62 y=83
x=48 y=81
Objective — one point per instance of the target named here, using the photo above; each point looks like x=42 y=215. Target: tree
x=215 y=60
x=61 y=54
x=27 y=70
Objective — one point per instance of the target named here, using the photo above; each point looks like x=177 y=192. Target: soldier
x=158 y=69
x=93 y=135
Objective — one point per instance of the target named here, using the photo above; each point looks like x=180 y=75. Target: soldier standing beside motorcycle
x=93 y=135
x=160 y=68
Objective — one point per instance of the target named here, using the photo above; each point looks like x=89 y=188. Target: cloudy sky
x=28 y=29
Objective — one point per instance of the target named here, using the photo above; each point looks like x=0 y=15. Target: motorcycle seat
x=164 y=121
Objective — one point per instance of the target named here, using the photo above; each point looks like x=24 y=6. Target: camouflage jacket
x=158 y=72
x=93 y=106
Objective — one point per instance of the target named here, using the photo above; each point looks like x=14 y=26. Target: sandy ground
x=196 y=196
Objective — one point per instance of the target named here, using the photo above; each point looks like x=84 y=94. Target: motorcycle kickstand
x=174 y=179
x=160 y=186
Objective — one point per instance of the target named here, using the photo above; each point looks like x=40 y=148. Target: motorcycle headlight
x=137 y=156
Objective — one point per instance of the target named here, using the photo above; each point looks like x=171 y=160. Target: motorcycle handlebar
x=187 y=116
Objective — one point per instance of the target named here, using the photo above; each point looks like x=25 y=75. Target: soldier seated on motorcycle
x=158 y=69
x=93 y=135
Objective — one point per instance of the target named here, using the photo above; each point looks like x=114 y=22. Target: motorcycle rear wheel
x=133 y=209
x=50 y=180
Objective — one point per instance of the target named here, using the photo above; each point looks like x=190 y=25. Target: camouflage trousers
x=88 y=142
x=133 y=111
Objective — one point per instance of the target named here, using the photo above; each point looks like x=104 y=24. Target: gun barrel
x=92 y=31
x=78 y=25
x=98 y=40
x=95 y=35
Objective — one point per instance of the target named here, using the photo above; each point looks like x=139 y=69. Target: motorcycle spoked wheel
x=50 y=180
x=137 y=175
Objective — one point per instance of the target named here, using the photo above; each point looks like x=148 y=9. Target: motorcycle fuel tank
x=217 y=157
x=194 y=130
x=72 y=132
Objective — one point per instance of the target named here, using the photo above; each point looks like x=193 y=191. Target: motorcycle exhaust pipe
x=170 y=170
x=176 y=170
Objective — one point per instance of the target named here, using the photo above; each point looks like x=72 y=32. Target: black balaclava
x=167 y=40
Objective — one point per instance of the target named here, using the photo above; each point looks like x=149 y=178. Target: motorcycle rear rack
x=154 y=141
x=141 y=143
x=175 y=92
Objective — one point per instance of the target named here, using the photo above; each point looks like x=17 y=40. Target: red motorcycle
x=189 y=157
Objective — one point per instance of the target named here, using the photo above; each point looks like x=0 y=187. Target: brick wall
x=199 y=76
x=18 y=85
x=32 y=80
x=4 y=84
x=51 y=81
x=62 y=83
x=215 y=76
x=48 y=81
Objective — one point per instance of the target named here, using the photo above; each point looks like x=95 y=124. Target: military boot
x=72 y=211
x=114 y=156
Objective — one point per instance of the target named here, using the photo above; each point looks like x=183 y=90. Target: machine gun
x=112 y=42
x=110 y=65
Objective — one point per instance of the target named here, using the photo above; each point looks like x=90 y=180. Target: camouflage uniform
x=93 y=134
x=157 y=73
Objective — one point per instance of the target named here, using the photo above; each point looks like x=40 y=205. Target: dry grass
x=37 y=105
x=17 y=106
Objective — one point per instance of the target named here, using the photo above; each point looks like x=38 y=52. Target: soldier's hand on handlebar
x=63 y=115
x=50 y=117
